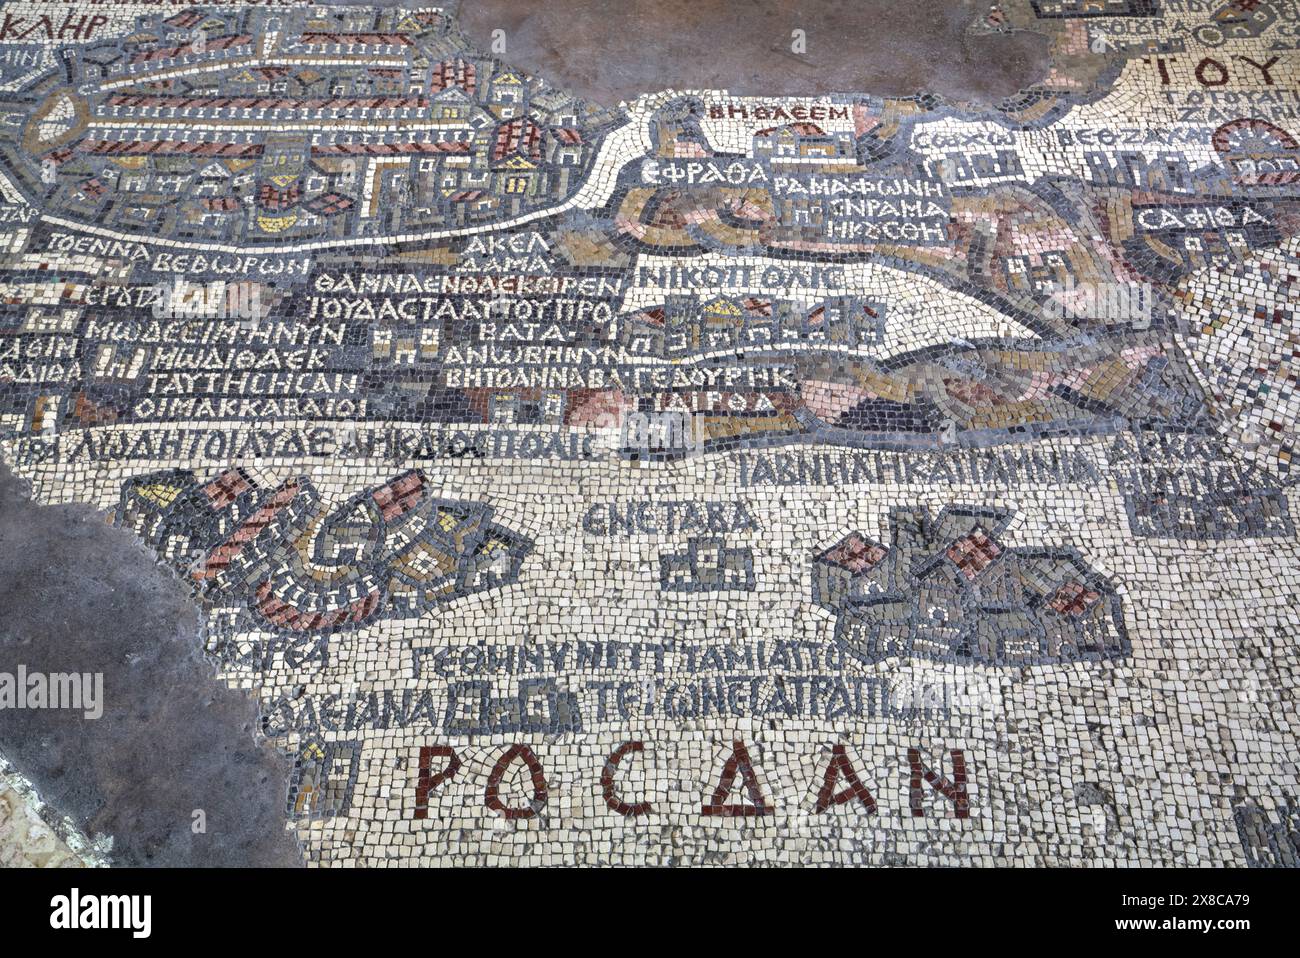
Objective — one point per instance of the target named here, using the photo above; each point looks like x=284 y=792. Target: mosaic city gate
x=702 y=480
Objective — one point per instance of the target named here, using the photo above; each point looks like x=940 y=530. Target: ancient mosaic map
x=706 y=479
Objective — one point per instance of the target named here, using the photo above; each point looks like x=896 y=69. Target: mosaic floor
x=703 y=479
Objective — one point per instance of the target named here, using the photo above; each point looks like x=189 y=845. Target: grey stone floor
x=610 y=51
x=78 y=595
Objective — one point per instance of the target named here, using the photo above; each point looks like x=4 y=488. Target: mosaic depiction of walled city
x=702 y=480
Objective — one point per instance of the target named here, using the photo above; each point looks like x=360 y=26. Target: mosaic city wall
x=703 y=480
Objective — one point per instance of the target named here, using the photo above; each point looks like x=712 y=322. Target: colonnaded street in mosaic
x=707 y=479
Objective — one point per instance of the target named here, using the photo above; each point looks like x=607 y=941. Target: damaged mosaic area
x=701 y=480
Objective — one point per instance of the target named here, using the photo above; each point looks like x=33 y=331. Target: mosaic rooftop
x=704 y=479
